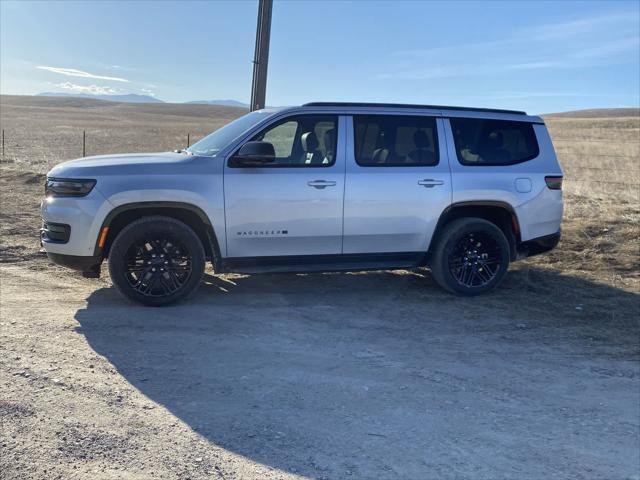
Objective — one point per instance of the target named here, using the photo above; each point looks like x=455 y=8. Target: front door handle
x=430 y=182
x=321 y=184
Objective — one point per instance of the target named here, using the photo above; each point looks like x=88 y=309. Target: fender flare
x=515 y=225
x=213 y=240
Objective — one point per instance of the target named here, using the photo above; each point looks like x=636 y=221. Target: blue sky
x=539 y=56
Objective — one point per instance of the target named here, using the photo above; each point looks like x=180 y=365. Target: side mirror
x=254 y=154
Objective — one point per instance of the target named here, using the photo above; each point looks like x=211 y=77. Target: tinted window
x=493 y=142
x=306 y=140
x=386 y=140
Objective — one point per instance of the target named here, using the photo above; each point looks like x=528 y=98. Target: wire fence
x=45 y=150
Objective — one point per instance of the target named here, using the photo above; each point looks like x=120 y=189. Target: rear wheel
x=156 y=261
x=471 y=256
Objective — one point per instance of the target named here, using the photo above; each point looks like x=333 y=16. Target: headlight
x=68 y=187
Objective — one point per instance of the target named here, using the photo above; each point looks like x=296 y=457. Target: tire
x=156 y=261
x=471 y=256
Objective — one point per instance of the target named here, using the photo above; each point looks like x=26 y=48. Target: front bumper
x=539 y=245
x=54 y=233
x=89 y=266
x=71 y=225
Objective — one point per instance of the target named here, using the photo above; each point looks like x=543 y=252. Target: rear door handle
x=430 y=182
x=321 y=184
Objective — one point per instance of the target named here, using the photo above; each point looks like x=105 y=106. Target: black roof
x=404 y=105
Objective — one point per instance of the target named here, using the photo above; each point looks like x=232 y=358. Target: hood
x=132 y=163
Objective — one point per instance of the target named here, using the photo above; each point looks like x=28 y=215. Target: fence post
x=3 y=143
x=84 y=143
x=188 y=141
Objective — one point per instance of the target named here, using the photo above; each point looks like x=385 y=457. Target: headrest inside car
x=421 y=139
x=309 y=142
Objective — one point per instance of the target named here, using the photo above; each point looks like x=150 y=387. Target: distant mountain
x=128 y=98
x=225 y=103
x=135 y=98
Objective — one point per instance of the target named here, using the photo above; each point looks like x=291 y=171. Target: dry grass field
x=599 y=151
x=364 y=375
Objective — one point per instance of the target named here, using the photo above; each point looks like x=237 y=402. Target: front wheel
x=156 y=261
x=471 y=256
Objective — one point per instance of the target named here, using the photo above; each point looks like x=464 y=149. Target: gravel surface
x=372 y=375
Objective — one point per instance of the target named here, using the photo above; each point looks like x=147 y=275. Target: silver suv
x=321 y=187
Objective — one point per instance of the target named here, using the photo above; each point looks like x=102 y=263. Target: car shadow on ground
x=382 y=375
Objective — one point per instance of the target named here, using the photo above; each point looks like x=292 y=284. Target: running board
x=324 y=263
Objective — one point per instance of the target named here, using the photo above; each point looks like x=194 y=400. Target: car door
x=292 y=206
x=397 y=183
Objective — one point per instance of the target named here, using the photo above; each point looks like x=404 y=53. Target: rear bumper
x=539 y=245
x=84 y=264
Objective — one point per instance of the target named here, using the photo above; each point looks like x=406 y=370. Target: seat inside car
x=422 y=153
x=311 y=154
x=381 y=154
x=329 y=146
x=492 y=148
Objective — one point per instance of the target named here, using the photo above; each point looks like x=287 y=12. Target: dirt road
x=376 y=375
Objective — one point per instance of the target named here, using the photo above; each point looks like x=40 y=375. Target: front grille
x=55 y=232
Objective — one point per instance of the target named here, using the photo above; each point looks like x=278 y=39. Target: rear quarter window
x=483 y=142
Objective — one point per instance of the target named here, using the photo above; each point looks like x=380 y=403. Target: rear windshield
x=493 y=142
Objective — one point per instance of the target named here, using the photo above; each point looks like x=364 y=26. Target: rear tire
x=471 y=256
x=156 y=261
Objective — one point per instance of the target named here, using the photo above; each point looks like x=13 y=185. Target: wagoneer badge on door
x=263 y=233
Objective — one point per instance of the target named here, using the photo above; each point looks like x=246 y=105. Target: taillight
x=554 y=183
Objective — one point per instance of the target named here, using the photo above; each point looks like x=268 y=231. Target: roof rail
x=404 y=105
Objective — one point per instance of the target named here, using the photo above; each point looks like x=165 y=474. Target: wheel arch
x=190 y=214
x=501 y=214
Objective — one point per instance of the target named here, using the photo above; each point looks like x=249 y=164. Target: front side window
x=389 y=140
x=484 y=142
x=302 y=141
x=213 y=143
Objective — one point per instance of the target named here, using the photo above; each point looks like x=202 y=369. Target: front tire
x=156 y=261
x=471 y=256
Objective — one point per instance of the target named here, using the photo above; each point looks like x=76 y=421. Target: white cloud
x=146 y=91
x=537 y=65
x=542 y=33
x=72 y=72
x=578 y=43
x=91 y=89
x=581 y=26
x=604 y=49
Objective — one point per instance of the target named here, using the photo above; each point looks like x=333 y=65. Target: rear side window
x=388 y=141
x=493 y=142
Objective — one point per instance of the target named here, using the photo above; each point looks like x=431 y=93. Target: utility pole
x=261 y=56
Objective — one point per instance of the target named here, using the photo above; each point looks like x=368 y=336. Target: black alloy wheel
x=475 y=259
x=470 y=256
x=158 y=266
x=156 y=260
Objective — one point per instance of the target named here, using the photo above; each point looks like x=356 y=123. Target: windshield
x=216 y=141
